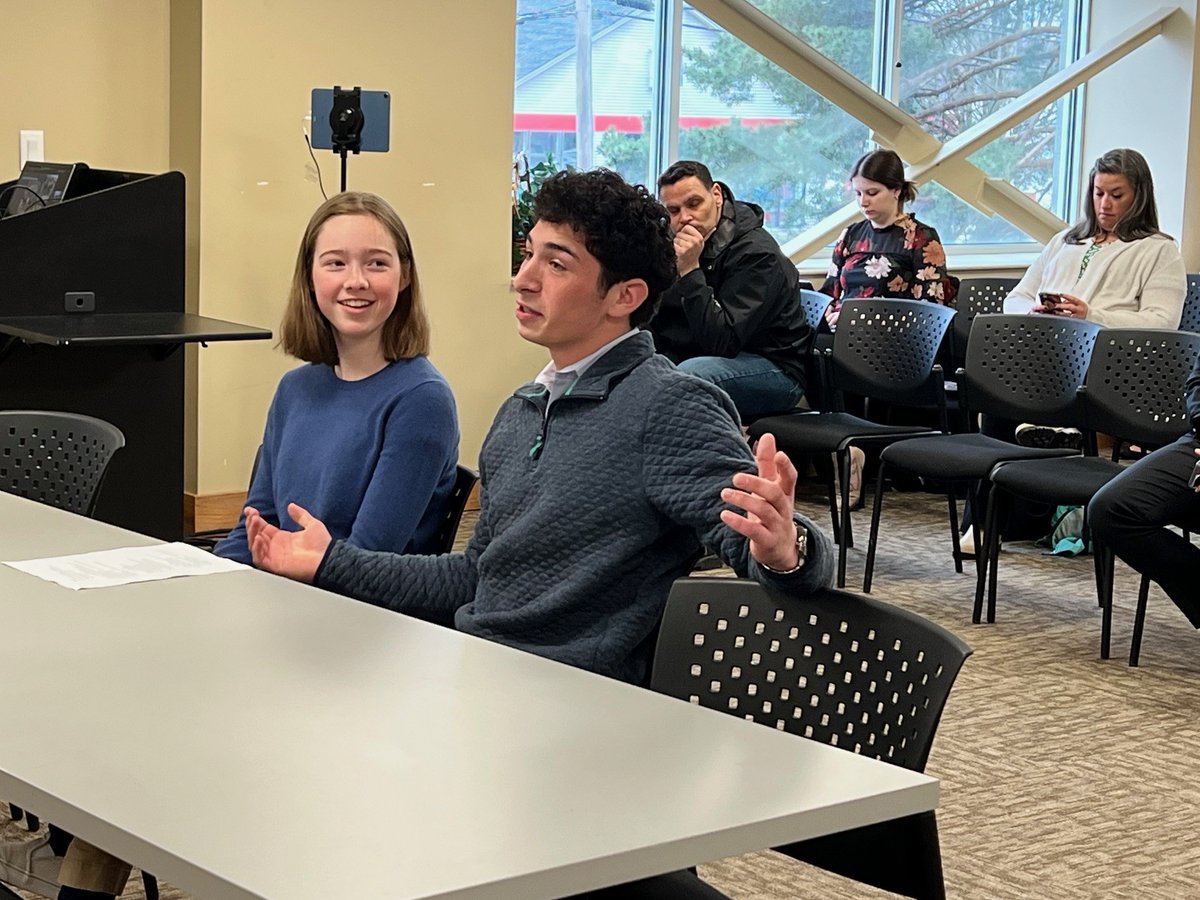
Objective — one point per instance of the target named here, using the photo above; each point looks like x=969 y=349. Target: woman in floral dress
x=889 y=253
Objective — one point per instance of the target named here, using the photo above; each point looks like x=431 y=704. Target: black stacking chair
x=56 y=458
x=1190 y=320
x=1026 y=368
x=977 y=296
x=464 y=483
x=883 y=350
x=816 y=389
x=1133 y=391
x=841 y=669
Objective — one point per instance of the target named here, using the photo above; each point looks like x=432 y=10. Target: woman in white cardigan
x=1114 y=267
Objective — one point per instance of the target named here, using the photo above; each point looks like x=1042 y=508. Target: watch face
x=802 y=540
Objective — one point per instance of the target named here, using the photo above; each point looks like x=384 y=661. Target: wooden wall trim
x=209 y=512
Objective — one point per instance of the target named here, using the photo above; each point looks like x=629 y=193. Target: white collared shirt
x=559 y=381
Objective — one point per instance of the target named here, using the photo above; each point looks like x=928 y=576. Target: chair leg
x=997 y=504
x=982 y=508
x=876 y=509
x=1105 y=563
x=1139 y=621
x=953 y=504
x=832 y=489
x=1103 y=560
x=31 y=821
x=843 y=464
x=15 y=812
x=150 y=883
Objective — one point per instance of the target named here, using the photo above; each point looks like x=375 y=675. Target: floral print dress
x=904 y=260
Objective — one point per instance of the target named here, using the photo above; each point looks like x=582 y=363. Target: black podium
x=92 y=321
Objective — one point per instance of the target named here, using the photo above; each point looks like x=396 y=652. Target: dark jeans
x=1131 y=512
x=756 y=385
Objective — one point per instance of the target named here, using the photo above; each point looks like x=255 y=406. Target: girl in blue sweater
x=367 y=432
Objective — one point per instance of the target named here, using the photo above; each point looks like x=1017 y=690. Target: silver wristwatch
x=801 y=553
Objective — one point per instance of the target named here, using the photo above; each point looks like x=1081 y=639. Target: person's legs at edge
x=1131 y=512
x=756 y=385
x=88 y=873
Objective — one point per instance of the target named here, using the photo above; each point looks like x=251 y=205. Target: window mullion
x=885 y=71
x=664 y=118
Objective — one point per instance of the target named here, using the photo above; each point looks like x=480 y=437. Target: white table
x=244 y=736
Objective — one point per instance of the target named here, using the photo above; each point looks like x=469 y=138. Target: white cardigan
x=1128 y=284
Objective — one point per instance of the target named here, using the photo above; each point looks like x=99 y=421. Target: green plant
x=526 y=181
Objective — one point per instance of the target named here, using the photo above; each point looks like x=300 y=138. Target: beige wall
x=220 y=90
x=1148 y=101
x=449 y=69
x=95 y=82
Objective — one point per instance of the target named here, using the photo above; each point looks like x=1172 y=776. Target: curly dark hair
x=622 y=225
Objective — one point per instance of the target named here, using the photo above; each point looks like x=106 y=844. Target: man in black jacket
x=734 y=317
x=1131 y=512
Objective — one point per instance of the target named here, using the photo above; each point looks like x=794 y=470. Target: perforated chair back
x=886 y=349
x=56 y=458
x=1134 y=387
x=464 y=483
x=1190 y=321
x=1028 y=368
x=842 y=669
x=814 y=304
x=977 y=296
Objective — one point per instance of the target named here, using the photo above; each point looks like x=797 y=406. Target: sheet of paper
x=126 y=565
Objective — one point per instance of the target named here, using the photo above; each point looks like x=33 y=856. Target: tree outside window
x=776 y=141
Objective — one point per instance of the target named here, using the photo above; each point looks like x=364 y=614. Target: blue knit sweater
x=588 y=515
x=373 y=459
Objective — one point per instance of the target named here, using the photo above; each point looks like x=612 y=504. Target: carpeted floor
x=1063 y=775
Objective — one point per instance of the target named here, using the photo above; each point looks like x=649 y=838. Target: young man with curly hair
x=601 y=478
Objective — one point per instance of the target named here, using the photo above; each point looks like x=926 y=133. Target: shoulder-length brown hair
x=307 y=335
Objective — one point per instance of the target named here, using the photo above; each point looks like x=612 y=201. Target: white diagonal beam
x=892 y=127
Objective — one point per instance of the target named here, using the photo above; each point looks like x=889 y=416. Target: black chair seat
x=1070 y=482
x=961 y=457
x=828 y=432
x=1020 y=368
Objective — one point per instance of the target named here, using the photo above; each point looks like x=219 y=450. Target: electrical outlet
x=33 y=146
x=80 y=301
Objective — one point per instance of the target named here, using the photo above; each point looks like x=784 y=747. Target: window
x=961 y=62
x=774 y=140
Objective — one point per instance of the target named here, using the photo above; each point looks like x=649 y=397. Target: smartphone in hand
x=1049 y=301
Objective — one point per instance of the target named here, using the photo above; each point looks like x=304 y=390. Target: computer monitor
x=41 y=184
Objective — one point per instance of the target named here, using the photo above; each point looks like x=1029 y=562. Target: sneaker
x=1049 y=438
x=31 y=865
